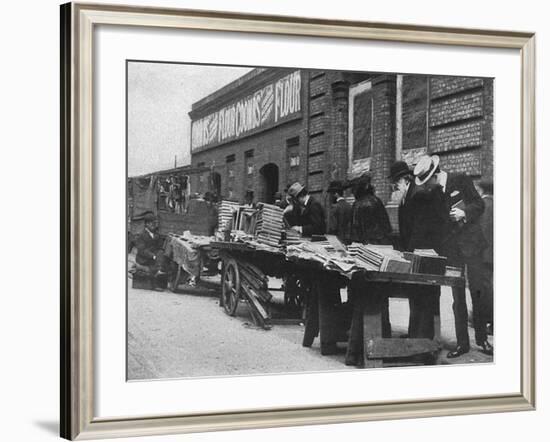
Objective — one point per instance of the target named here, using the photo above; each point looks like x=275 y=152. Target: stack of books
x=379 y=258
x=269 y=225
x=292 y=237
x=225 y=213
x=426 y=261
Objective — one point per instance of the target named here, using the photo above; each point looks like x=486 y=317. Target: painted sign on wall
x=272 y=104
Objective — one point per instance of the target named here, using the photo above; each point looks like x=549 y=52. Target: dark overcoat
x=486 y=223
x=340 y=220
x=148 y=247
x=463 y=239
x=370 y=221
x=428 y=218
x=405 y=217
x=311 y=218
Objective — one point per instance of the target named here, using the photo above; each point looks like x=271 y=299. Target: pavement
x=187 y=334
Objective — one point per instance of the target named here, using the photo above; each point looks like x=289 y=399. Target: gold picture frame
x=77 y=389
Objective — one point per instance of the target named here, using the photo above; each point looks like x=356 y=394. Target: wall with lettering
x=271 y=105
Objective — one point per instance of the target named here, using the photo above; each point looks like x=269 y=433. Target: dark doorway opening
x=269 y=183
x=216 y=184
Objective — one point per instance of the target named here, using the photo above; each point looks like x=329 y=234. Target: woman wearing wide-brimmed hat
x=370 y=221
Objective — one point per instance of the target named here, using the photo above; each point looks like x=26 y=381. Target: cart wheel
x=231 y=287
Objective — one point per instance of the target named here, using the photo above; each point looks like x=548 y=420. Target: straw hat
x=425 y=168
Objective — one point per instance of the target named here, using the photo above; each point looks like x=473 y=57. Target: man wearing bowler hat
x=402 y=180
x=463 y=240
x=340 y=213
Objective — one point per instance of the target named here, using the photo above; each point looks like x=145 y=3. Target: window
x=414 y=109
x=201 y=164
x=249 y=161
x=230 y=158
x=411 y=115
x=293 y=151
x=294 y=141
x=360 y=127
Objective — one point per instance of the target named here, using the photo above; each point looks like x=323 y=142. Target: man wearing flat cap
x=305 y=213
x=340 y=213
x=308 y=216
x=150 y=247
x=463 y=241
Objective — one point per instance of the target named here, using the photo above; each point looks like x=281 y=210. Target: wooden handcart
x=245 y=269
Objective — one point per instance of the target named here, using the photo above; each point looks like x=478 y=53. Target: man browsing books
x=462 y=241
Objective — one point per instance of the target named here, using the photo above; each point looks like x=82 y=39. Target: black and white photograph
x=286 y=220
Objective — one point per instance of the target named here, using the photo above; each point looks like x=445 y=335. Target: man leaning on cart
x=305 y=213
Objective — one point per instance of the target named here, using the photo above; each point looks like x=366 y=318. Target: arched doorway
x=217 y=184
x=269 y=183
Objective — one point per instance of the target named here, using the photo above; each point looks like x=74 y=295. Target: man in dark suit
x=340 y=213
x=485 y=320
x=428 y=230
x=307 y=216
x=463 y=240
x=402 y=180
x=305 y=213
x=150 y=247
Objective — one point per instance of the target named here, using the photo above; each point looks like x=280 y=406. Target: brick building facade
x=275 y=126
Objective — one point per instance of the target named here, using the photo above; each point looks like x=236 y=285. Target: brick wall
x=383 y=134
x=269 y=147
x=487 y=150
x=337 y=159
x=444 y=86
x=460 y=112
x=460 y=124
x=318 y=140
x=457 y=137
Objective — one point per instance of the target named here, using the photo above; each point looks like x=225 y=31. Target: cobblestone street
x=188 y=335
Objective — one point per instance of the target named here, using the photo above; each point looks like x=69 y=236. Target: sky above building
x=160 y=96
